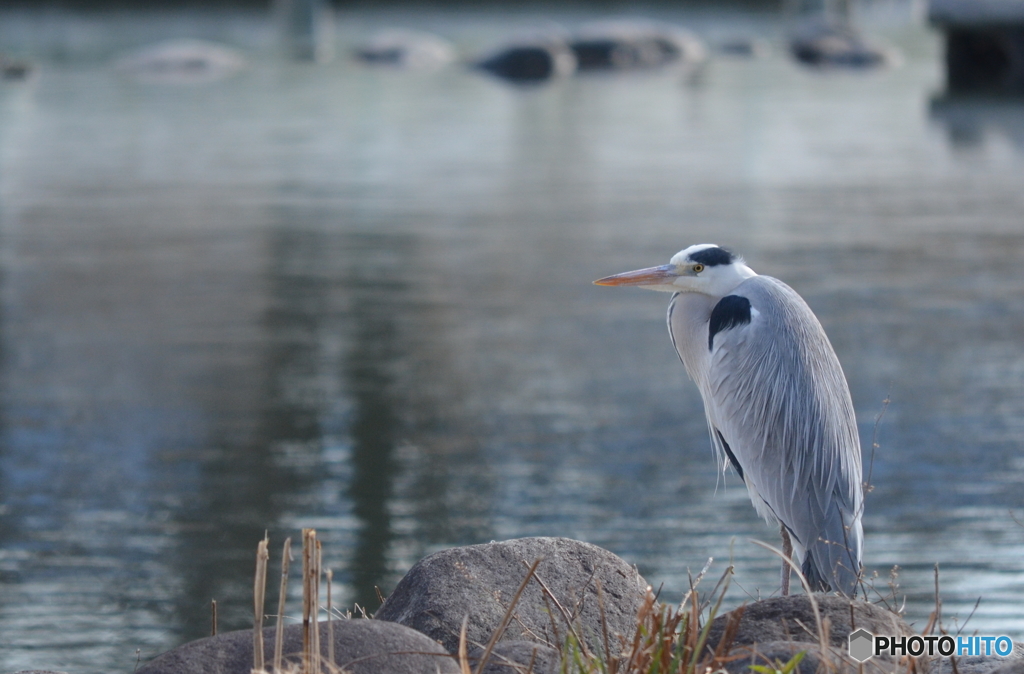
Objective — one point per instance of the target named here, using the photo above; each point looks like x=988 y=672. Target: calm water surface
x=360 y=300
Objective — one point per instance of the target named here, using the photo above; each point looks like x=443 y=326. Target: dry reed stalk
x=565 y=614
x=729 y=572
x=463 y=657
x=307 y=637
x=310 y=609
x=330 y=621
x=935 y=620
x=693 y=633
x=286 y=557
x=642 y=615
x=318 y=558
x=718 y=602
x=823 y=636
x=259 y=595
x=533 y=661
x=503 y=625
x=551 y=618
x=213 y=617
x=673 y=639
x=732 y=628
x=695 y=583
x=604 y=623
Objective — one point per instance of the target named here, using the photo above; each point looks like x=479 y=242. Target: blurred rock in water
x=618 y=44
x=14 y=70
x=531 y=60
x=834 y=43
x=745 y=47
x=408 y=49
x=182 y=62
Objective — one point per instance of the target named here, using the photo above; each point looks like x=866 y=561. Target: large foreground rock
x=777 y=629
x=981 y=664
x=1013 y=665
x=479 y=581
x=360 y=647
x=792 y=619
x=837 y=661
x=772 y=653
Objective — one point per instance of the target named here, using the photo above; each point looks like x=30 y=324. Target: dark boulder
x=981 y=664
x=634 y=45
x=775 y=630
x=360 y=647
x=826 y=43
x=774 y=653
x=14 y=70
x=479 y=581
x=1011 y=665
x=792 y=619
x=744 y=47
x=530 y=61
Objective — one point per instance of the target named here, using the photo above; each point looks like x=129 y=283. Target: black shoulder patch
x=732 y=457
x=710 y=257
x=731 y=310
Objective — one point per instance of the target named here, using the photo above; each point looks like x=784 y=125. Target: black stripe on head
x=731 y=311
x=710 y=257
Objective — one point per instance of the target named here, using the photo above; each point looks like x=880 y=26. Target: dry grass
x=312 y=572
x=668 y=640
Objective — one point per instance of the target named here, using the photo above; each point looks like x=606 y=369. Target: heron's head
x=703 y=268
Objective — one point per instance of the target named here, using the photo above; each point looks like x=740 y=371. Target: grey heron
x=777 y=404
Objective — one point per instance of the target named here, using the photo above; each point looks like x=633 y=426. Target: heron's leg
x=787 y=550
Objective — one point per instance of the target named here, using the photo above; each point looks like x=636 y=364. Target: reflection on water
x=376 y=294
x=360 y=300
x=968 y=119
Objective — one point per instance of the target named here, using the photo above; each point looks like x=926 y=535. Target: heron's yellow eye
x=698 y=268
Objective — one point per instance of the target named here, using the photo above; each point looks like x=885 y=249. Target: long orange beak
x=652 y=276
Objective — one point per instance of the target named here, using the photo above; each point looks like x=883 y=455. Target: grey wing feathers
x=777 y=394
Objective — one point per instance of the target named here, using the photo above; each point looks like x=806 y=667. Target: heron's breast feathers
x=776 y=392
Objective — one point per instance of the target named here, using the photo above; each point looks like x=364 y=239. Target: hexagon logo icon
x=861 y=645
